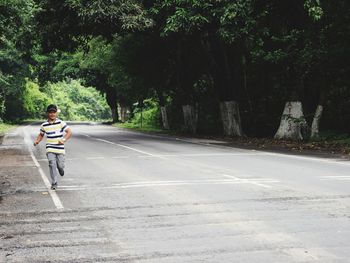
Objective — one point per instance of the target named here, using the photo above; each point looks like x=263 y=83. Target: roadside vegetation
x=5 y=127
x=273 y=70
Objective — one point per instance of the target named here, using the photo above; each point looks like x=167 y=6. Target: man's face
x=52 y=115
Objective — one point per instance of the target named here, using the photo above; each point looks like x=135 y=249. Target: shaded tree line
x=237 y=68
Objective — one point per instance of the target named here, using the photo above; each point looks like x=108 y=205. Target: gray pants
x=56 y=162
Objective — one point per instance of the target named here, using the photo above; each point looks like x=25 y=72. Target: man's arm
x=66 y=136
x=38 y=139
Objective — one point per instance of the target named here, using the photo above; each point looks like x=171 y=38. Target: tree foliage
x=259 y=54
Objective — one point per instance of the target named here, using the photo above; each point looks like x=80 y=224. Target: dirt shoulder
x=5 y=128
x=20 y=183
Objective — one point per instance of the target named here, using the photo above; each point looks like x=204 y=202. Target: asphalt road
x=132 y=197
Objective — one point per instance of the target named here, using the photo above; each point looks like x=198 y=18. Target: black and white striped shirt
x=54 y=132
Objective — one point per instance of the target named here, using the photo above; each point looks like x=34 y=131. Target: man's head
x=51 y=112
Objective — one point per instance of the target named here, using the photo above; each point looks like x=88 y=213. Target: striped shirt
x=54 y=132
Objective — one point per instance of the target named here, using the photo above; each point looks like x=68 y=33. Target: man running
x=57 y=133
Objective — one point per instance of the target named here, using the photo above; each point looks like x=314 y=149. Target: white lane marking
x=17 y=165
x=148 y=156
x=249 y=181
x=71 y=186
x=95 y=158
x=144 y=184
x=257 y=152
x=160 y=155
x=120 y=157
x=198 y=155
x=335 y=178
x=88 y=158
x=11 y=134
x=195 y=181
x=306 y=158
x=56 y=200
x=64 y=179
x=129 y=148
x=67 y=159
x=239 y=180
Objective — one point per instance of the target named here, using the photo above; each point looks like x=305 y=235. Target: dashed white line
x=65 y=179
x=120 y=157
x=248 y=181
x=71 y=186
x=199 y=155
x=127 y=147
x=327 y=161
x=144 y=184
x=335 y=178
x=95 y=158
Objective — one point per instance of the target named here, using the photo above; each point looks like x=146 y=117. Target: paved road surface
x=131 y=197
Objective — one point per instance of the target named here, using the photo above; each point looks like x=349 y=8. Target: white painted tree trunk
x=292 y=122
x=190 y=113
x=316 y=122
x=2 y=104
x=164 y=117
x=123 y=113
x=231 y=119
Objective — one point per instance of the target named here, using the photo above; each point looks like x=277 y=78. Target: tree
x=95 y=67
x=15 y=50
x=223 y=27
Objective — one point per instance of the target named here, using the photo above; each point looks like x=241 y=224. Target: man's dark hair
x=51 y=107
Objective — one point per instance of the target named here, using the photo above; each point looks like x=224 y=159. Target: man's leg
x=60 y=163
x=53 y=167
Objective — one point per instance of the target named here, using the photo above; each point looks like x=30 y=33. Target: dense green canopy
x=212 y=66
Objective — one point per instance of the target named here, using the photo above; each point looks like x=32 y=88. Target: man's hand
x=62 y=141
x=38 y=139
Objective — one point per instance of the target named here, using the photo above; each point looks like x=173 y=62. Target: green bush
x=151 y=116
x=34 y=101
x=5 y=127
x=74 y=101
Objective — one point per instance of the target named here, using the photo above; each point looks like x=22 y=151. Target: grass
x=334 y=137
x=345 y=141
x=5 y=127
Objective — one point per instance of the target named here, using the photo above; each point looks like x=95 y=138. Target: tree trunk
x=292 y=123
x=163 y=108
x=245 y=82
x=190 y=113
x=315 y=127
x=231 y=119
x=123 y=113
x=2 y=104
x=316 y=122
x=111 y=97
x=165 y=121
x=114 y=114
